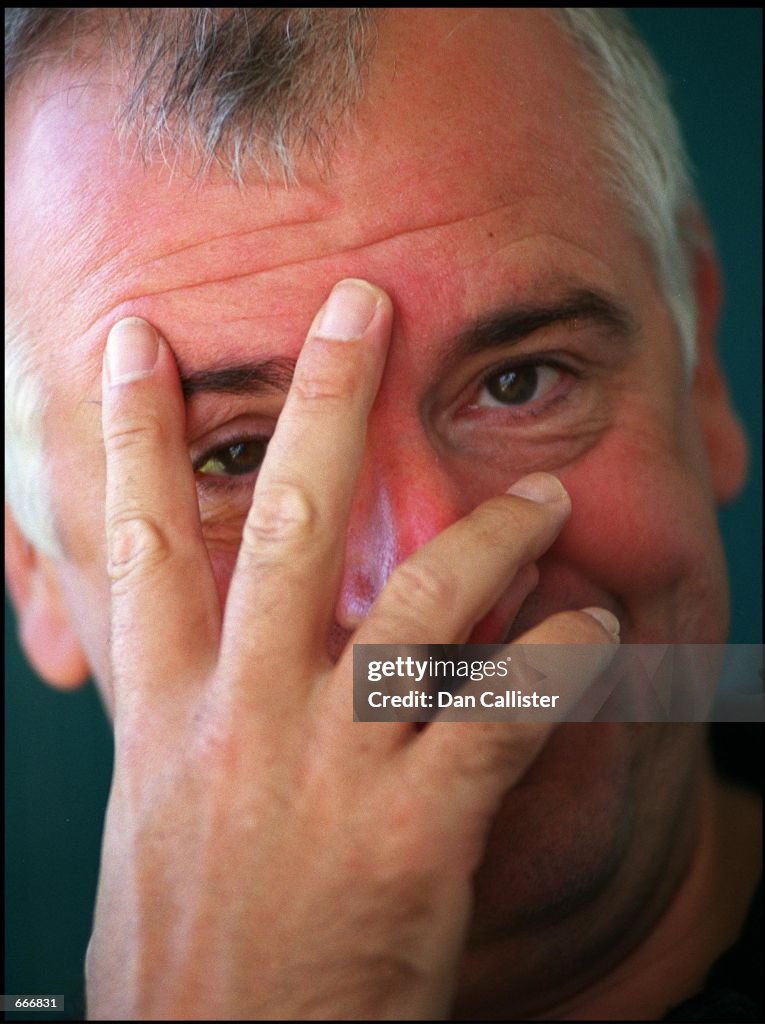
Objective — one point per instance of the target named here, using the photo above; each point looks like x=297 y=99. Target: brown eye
x=518 y=385
x=236 y=459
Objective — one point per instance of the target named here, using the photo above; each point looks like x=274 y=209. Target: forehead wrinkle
x=541 y=279
x=342 y=226
x=554 y=240
x=213 y=239
x=331 y=250
x=137 y=295
x=371 y=211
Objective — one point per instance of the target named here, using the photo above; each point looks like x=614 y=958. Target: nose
x=405 y=496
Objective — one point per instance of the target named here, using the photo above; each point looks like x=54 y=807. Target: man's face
x=471 y=187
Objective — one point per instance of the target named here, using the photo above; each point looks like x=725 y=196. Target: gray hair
x=236 y=86
x=265 y=86
x=645 y=162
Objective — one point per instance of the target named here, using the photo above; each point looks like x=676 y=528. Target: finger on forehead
x=165 y=610
x=283 y=592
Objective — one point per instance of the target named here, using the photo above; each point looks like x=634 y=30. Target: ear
x=723 y=435
x=45 y=629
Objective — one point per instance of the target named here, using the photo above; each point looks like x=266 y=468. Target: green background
x=58 y=747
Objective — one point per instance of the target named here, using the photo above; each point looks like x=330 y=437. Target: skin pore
x=465 y=190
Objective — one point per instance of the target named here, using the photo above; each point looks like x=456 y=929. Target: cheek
x=644 y=528
x=561 y=831
x=622 y=515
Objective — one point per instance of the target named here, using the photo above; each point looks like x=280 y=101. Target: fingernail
x=131 y=350
x=608 y=621
x=543 y=488
x=349 y=311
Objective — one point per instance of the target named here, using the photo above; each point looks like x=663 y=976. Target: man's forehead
x=432 y=174
x=489 y=90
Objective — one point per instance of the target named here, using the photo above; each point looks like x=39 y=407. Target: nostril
x=358 y=593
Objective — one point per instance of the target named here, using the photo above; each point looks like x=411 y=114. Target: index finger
x=164 y=604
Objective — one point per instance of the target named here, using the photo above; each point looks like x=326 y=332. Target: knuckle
x=500 y=513
x=135 y=435
x=415 y=589
x=280 y=513
x=497 y=524
x=513 y=528
x=331 y=376
x=136 y=544
x=323 y=390
x=505 y=751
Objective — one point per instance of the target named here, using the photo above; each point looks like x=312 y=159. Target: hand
x=264 y=856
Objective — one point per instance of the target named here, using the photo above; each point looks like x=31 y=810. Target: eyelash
x=218 y=482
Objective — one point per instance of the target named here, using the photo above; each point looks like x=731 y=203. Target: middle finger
x=282 y=598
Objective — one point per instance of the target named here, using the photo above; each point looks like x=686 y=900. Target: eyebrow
x=505 y=327
x=575 y=308
x=250 y=378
